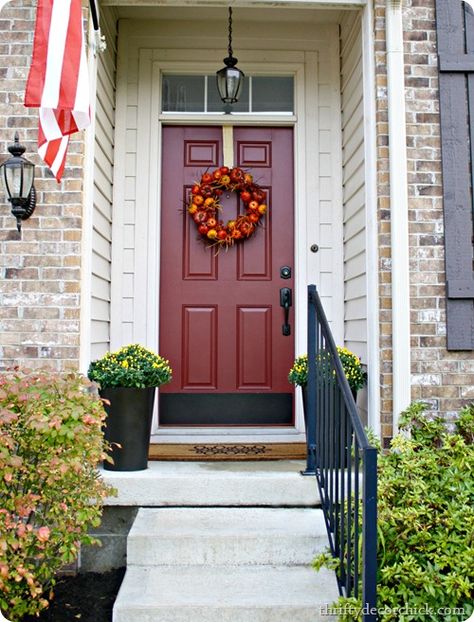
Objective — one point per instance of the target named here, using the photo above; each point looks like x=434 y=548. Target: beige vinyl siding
x=149 y=43
x=103 y=186
x=354 y=208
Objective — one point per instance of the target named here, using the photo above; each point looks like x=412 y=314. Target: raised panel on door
x=196 y=264
x=220 y=315
x=254 y=261
x=199 y=334
x=254 y=348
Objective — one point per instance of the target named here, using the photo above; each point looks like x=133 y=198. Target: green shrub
x=131 y=366
x=50 y=443
x=425 y=522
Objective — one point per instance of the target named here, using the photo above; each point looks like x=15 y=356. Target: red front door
x=220 y=314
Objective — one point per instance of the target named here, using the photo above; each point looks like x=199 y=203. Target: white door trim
x=235 y=434
x=304 y=66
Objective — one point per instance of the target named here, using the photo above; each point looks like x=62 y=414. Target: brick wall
x=39 y=272
x=445 y=379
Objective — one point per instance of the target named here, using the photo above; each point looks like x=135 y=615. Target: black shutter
x=455 y=31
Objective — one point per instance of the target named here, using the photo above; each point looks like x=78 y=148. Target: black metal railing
x=344 y=463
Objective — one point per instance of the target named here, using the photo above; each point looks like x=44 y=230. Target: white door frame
x=304 y=66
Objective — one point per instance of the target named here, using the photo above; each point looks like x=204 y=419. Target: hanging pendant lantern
x=230 y=78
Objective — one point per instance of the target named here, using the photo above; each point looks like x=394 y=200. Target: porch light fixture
x=230 y=78
x=18 y=175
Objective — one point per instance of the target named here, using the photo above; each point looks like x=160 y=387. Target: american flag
x=58 y=81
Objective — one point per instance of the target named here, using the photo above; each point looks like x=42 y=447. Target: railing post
x=369 y=568
x=311 y=385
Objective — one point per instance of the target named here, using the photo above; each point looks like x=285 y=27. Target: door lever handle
x=286 y=301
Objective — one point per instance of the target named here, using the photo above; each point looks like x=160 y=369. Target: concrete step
x=271 y=483
x=226 y=536
x=233 y=594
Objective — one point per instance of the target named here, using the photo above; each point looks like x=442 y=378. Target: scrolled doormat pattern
x=233 y=450
x=222 y=451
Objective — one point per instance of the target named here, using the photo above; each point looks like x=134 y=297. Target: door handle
x=286 y=301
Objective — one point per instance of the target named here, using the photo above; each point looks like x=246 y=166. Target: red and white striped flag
x=58 y=82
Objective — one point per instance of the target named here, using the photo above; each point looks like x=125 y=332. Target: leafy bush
x=131 y=366
x=50 y=443
x=425 y=522
x=351 y=364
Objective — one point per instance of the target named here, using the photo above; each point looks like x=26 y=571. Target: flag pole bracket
x=99 y=44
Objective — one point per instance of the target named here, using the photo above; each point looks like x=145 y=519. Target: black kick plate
x=226 y=409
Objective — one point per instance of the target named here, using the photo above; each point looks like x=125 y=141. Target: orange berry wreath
x=204 y=205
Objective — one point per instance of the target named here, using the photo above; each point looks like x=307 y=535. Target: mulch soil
x=86 y=597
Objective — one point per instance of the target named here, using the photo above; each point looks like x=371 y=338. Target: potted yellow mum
x=127 y=381
x=351 y=364
x=353 y=370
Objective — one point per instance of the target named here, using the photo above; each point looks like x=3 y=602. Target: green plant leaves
x=50 y=444
x=425 y=522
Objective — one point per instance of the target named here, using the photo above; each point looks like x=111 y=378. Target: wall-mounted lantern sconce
x=230 y=78
x=18 y=175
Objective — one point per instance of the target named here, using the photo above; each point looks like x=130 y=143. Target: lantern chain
x=230 y=33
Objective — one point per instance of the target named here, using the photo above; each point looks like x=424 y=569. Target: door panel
x=254 y=334
x=220 y=315
x=199 y=335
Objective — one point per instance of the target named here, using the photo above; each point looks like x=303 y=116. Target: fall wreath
x=204 y=206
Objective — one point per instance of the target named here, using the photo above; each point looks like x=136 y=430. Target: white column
x=398 y=210
x=370 y=154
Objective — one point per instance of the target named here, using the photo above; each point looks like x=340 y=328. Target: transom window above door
x=183 y=93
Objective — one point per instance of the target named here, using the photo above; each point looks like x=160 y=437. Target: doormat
x=220 y=451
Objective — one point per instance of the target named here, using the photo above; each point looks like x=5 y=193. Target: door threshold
x=227 y=451
x=227 y=434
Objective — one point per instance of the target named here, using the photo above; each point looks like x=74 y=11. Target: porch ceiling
x=319 y=5
x=218 y=14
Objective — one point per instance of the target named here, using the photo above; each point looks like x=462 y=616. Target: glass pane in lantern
x=182 y=93
x=3 y=172
x=232 y=87
x=272 y=94
x=13 y=179
x=215 y=104
x=28 y=178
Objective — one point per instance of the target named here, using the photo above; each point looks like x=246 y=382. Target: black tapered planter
x=336 y=461
x=304 y=391
x=128 y=426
